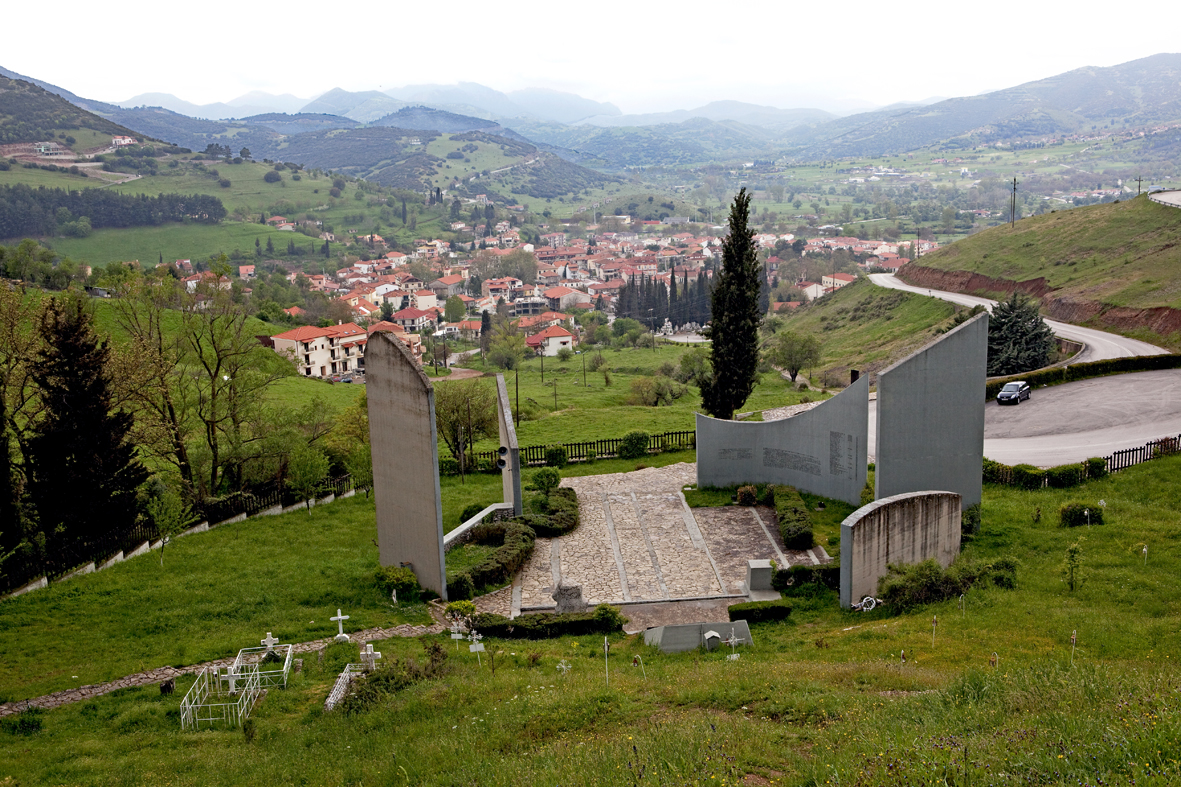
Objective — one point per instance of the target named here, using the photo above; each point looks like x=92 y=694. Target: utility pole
x=1013 y=206
x=517 y=381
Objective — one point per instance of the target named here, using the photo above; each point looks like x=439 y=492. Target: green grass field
x=1120 y=254
x=821 y=699
x=862 y=326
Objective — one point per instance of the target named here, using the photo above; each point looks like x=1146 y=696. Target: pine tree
x=1018 y=338
x=83 y=467
x=734 y=330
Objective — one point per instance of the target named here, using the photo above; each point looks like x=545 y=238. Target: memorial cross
x=564 y=667
x=269 y=642
x=340 y=619
x=476 y=647
x=370 y=656
x=732 y=641
x=456 y=634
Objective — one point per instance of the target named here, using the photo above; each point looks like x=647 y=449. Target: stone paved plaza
x=639 y=541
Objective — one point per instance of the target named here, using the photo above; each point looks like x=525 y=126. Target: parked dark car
x=1013 y=393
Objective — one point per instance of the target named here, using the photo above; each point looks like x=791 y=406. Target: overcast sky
x=645 y=57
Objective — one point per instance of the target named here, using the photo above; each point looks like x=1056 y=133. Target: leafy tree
x=272 y=177
x=387 y=310
x=454 y=401
x=168 y=512
x=306 y=468
x=20 y=343
x=359 y=464
x=794 y=351
x=507 y=347
x=245 y=153
x=734 y=330
x=84 y=471
x=1018 y=338
x=454 y=310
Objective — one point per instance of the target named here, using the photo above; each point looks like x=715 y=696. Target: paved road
x=1071 y=422
x=1100 y=344
x=1170 y=198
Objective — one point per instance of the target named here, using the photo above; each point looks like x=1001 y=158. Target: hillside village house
x=323 y=352
x=836 y=280
x=551 y=340
x=411 y=340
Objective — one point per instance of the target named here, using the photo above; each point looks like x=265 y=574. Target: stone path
x=638 y=541
x=155 y=676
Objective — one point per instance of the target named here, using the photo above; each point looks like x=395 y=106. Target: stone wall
x=822 y=451
x=405 y=462
x=930 y=420
x=908 y=528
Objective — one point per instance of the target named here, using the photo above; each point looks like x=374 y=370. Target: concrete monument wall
x=405 y=462
x=907 y=528
x=509 y=451
x=821 y=451
x=930 y=432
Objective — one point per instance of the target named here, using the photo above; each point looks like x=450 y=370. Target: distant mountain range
x=585 y=132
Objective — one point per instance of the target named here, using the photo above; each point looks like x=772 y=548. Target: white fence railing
x=342 y=685
x=271 y=673
x=202 y=704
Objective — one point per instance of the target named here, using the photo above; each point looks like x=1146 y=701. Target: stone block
x=758 y=575
x=568 y=596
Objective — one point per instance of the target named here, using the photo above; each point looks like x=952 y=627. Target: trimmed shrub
x=605 y=619
x=555 y=456
x=559 y=518
x=747 y=496
x=460 y=610
x=761 y=611
x=448 y=466
x=996 y=473
x=1076 y=514
x=461 y=588
x=500 y=566
x=591 y=456
x=969 y=522
x=469 y=512
x=1028 y=477
x=634 y=445
x=1096 y=467
x=767 y=497
x=804 y=580
x=1064 y=476
x=792 y=514
x=399 y=579
x=547 y=479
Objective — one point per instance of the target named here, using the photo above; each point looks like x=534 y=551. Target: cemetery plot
x=217 y=697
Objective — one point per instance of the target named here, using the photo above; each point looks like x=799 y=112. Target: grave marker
x=340 y=619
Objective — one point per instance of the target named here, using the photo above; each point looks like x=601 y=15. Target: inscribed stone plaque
x=821 y=451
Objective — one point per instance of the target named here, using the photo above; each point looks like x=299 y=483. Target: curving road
x=1100 y=345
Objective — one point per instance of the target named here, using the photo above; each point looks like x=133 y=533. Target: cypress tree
x=734 y=309
x=485 y=331
x=673 y=307
x=83 y=467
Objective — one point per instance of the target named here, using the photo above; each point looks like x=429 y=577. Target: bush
x=795 y=527
x=375 y=688
x=1028 y=477
x=461 y=588
x=1064 y=476
x=559 y=517
x=747 y=496
x=448 y=466
x=499 y=567
x=224 y=183
x=460 y=610
x=1096 y=467
x=547 y=479
x=761 y=611
x=970 y=522
x=400 y=580
x=909 y=586
x=469 y=512
x=767 y=498
x=272 y=177
x=555 y=456
x=634 y=445
x=996 y=473
x=1075 y=514
x=591 y=456
x=565 y=354
x=605 y=619
x=804 y=580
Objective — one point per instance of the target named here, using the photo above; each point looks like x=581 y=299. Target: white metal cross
x=564 y=667
x=370 y=656
x=269 y=642
x=732 y=641
x=340 y=619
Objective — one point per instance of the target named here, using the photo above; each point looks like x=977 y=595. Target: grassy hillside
x=824 y=698
x=29 y=113
x=862 y=326
x=1122 y=254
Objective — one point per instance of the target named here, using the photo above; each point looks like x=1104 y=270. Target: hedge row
x=795 y=526
x=1078 y=514
x=549 y=516
x=605 y=619
x=795 y=579
x=1029 y=477
x=1085 y=371
x=761 y=611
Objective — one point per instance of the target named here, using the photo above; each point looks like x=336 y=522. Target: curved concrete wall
x=930 y=432
x=822 y=451
x=405 y=462
x=908 y=528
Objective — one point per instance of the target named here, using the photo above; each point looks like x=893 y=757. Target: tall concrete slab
x=509 y=451
x=930 y=432
x=822 y=451
x=902 y=529
x=405 y=462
